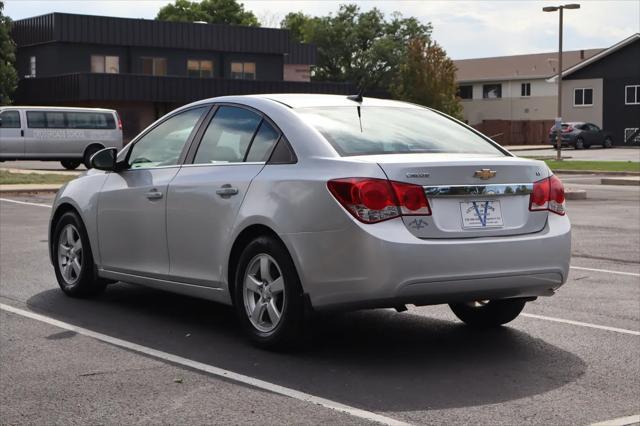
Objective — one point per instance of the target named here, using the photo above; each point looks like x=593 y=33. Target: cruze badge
x=418 y=175
x=485 y=174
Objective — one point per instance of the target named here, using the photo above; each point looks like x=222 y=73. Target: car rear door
x=205 y=196
x=11 y=134
x=132 y=203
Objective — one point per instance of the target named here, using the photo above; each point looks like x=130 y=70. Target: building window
x=197 y=68
x=632 y=95
x=582 y=97
x=32 y=67
x=632 y=135
x=465 y=91
x=491 y=91
x=243 y=70
x=105 y=64
x=525 y=90
x=154 y=66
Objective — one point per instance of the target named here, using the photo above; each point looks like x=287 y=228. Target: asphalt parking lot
x=137 y=355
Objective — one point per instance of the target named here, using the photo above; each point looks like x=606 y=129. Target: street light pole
x=558 y=125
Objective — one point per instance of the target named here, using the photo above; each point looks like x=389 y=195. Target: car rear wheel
x=268 y=295
x=70 y=164
x=488 y=313
x=73 y=260
x=580 y=143
x=608 y=143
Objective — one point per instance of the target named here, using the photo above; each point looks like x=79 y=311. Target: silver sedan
x=283 y=204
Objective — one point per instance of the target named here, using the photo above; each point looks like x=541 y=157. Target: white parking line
x=229 y=375
x=583 y=324
x=606 y=271
x=25 y=203
x=622 y=421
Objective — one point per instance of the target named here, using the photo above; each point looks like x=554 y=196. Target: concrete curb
x=29 y=189
x=41 y=172
x=631 y=181
x=594 y=172
x=516 y=148
x=575 y=194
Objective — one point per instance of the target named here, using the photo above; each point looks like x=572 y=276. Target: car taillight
x=374 y=200
x=567 y=129
x=119 y=121
x=548 y=194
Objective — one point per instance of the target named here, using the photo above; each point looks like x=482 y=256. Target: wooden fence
x=517 y=132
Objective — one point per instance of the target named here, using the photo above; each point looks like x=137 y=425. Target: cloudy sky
x=466 y=29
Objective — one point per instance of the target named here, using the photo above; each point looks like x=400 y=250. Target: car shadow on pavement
x=375 y=360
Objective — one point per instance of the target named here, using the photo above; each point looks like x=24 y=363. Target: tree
x=8 y=74
x=427 y=77
x=364 y=48
x=210 y=11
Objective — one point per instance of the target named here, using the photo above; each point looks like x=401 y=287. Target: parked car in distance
x=280 y=204
x=68 y=135
x=581 y=135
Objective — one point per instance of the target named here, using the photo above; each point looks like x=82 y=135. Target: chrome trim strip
x=506 y=189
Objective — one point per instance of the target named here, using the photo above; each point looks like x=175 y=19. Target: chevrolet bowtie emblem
x=484 y=174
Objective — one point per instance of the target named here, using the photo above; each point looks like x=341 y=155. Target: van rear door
x=11 y=134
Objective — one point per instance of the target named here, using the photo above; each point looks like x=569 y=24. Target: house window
x=465 y=91
x=32 y=66
x=525 y=90
x=197 y=68
x=243 y=70
x=582 y=97
x=631 y=135
x=632 y=95
x=491 y=91
x=154 y=66
x=105 y=64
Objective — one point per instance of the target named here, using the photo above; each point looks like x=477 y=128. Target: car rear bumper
x=384 y=265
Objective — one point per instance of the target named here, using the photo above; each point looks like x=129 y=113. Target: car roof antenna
x=357 y=97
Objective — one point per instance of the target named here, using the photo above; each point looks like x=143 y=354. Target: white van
x=68 y=135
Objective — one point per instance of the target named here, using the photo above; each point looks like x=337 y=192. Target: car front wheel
x=73 y=260
x=70 y=164
x=608 y=143
x=488 y=313
x=580 y=143
x=268 y=294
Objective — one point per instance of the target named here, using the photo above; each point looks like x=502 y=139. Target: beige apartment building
x=512 y=98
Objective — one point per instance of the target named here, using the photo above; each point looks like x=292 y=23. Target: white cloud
x=464 y=28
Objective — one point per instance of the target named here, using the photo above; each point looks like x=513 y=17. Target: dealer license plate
x=481 y=214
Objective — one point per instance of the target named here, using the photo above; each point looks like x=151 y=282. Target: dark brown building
x=145 y=68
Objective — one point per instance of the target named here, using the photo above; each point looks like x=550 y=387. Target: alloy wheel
x=70 y=254
x=263 y=291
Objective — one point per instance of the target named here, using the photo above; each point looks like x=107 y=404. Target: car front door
x=596 y=134
x=132 y=203
x=205 y=196
x=11 y=134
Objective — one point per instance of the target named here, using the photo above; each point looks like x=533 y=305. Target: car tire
x=268 y=295
x=580 y=143
x=73 y=260
x=608 y=143
x=70 y=164
x=88 y=153
x=491 y=313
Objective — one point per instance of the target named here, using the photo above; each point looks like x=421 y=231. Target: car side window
x=10 y=120
x=163 y=144
x=263 y=142
x=228 y=136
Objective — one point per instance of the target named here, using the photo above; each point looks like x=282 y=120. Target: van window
x=70 y=120
x=10 y=120
x=36 y=120
x=90 y=120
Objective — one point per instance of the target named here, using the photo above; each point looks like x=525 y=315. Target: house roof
x=518 y=67
x=599 y=55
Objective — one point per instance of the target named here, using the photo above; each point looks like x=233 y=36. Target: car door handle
x=154 y=194
x=226 y=191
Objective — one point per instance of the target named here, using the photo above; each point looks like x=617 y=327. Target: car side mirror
x=105 y=159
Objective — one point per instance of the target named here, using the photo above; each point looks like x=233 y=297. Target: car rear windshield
x=393 y=130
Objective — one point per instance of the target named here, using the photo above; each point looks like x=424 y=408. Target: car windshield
x=395 y=130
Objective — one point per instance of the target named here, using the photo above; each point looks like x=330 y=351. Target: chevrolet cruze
x=280 y=204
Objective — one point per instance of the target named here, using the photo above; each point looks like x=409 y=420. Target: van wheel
x=70 y=164
x=268 y=295
x=488 y=313
x=73 y=260
x=88 y=153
